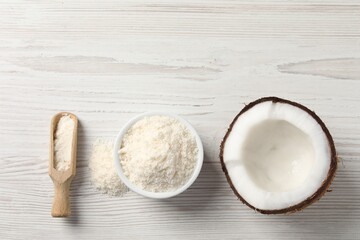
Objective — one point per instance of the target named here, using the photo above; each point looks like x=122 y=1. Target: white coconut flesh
x=276 y=155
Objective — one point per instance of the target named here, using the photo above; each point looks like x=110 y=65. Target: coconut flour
x=158 y=154
x=103 y=174
x=63 y=142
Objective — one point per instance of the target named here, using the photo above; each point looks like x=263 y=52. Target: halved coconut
x=278 y=156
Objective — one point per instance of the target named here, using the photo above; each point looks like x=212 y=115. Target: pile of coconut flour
x=158 y=154
x=103 y=173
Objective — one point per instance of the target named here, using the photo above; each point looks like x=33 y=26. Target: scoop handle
x=61 y=203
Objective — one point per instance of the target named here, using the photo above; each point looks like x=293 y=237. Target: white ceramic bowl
x=158 y=195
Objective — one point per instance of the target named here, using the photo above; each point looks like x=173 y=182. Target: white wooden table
x=107 y=61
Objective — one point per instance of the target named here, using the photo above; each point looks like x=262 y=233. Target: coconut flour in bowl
x=158 y=154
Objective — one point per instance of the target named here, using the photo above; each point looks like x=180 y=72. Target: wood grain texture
x=107 y=61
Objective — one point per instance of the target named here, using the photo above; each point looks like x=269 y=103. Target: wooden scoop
x=62 y=179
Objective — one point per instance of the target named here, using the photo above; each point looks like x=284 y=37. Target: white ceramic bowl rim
x=137 y=189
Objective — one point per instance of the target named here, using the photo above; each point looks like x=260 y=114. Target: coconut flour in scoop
x=158 y=154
